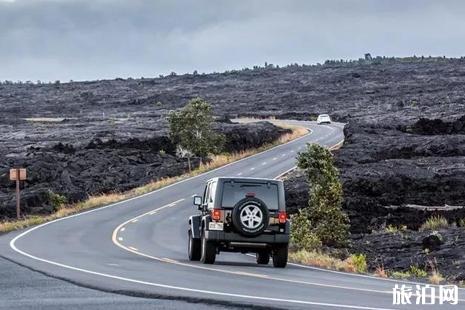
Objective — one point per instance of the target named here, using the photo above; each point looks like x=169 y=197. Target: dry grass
x=317 y=259
x=436 y=277
x=91 y=202
x=105 y=199
x=380 y=272
x=435 y=223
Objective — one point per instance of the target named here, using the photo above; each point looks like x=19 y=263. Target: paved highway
x=138 y=247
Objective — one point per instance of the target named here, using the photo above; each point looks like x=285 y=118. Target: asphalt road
x=139 y=248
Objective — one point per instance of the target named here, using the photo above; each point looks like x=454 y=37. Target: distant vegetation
x=375 y=60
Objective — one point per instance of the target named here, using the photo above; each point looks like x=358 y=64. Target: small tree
x=325 y=214
x=191 y=130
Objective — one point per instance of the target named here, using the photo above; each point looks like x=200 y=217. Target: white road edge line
x=187 y=289
x=215 y=293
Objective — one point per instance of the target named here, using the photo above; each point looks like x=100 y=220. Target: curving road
x=138 y=247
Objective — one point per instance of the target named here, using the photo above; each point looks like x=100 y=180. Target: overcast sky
x=96 y=39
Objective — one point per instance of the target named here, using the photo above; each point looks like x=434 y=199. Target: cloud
x=93 y=39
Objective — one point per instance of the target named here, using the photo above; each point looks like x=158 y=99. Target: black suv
x=240 y=215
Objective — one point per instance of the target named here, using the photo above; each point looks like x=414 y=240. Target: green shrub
x=434 y=223
x=461 y=222
x=56 y=200
x=359 y=262
x=417 y=272
x=328 y=222
x=301 y=236
x=401 y=275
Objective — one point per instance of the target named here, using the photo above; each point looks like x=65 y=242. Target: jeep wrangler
x=246 y=215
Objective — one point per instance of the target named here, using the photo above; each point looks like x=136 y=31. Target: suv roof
x=244 y=179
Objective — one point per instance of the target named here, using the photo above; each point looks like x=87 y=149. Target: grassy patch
x=105 y=199
x=435 y=223
x=355 y=263
x=401 y=275
x=412 y=272
x=395 y=229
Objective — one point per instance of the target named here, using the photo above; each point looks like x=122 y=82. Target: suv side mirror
x=197 y=201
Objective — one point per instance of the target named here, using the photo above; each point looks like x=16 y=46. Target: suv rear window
x=235 y=191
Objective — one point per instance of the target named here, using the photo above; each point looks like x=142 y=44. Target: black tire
x=193 y=248
x=208 y=252
x=239 y=208
x=263 y=257
x=280 y=256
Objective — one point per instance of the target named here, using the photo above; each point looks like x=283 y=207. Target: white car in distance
x=323 y=119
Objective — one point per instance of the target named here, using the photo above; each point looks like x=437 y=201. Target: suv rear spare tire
x=250 y=216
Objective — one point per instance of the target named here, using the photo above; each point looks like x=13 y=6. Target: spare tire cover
x=250 y=216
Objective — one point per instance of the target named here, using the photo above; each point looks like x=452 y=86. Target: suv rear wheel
x=263 y=257
x=193 y=248
x=280 y=255
x=208 y=250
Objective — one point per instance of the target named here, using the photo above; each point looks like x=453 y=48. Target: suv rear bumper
x=235 y=237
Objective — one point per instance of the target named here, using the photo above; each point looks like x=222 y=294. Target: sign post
x=18 y=174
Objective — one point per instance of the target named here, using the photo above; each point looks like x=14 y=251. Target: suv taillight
x=216 y=214
x=282 y=217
